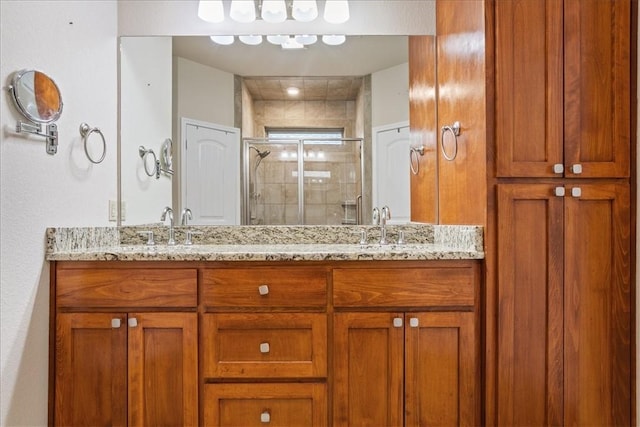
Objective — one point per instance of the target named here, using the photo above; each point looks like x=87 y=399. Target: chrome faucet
x=375 y=217
x=169 y=211
x=186 y=216
x=385 y=215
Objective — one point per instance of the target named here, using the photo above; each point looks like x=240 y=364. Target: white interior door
x=390 y=177
x=211 y=173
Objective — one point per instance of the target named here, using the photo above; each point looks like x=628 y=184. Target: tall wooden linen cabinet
x=544 y=100
x=563 y=215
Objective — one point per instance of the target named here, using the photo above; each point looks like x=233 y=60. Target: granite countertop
x=265 y=243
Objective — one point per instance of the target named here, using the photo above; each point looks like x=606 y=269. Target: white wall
x=390 y=95
x=145 y=117
x=75 y=43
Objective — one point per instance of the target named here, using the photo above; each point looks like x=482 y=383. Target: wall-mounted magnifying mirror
x=38 y=98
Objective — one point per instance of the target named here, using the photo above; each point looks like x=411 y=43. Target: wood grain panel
x=90 y=370
x=529 y=87
x=462 y=183
x=163 y=369
x=288 y=287
x=597 y=306
x=442 y=370
x=297 y=345
x=423 y=127
x=530 y=319
x=242 y=405
x=597 y=61
x=408 y=287
x=368 y=370
x=134 y=287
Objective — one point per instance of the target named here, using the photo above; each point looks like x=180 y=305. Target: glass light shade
x=223 y=40
x=274 y=11
x=251 y=39
x=291 y=43
x=277 y=39
x=333 y=39
x=293 y=91
x=243 y=11
x=304 y=10
x=306 y=39
x=336 y=11
x=211 y=11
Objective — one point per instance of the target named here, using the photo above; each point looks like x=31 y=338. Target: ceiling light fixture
x=243 y=11
x=223 y=40
x=304 y=10
x=251 y=39
x=274 y=11
x=293 y=91
x=333 y=39
x=211 y=11
x=277 y=39
x=336 y=11
x=306 y=39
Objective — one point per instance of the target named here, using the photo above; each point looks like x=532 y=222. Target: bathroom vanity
x=249 y=334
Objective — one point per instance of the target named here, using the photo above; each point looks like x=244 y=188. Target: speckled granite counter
x=265 y=243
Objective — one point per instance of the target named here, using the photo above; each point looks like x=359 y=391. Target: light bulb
x=211 y=11
x=306 y=39
x=277 y=39
x=223 y=40
x=304 y=10
x=293 y=91
x=243 y=11
x=252 y=40
x=333 y=39
x=291 y=43
x=274 y=11
x=336 y=11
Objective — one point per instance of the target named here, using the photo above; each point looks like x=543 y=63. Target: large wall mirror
x=194 y=91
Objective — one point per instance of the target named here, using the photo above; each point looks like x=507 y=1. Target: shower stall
x=328 y=191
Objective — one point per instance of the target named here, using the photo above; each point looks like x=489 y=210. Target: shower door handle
x=359 y=209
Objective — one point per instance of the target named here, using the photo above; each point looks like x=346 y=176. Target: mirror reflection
x=37 y=96
x=236 y=96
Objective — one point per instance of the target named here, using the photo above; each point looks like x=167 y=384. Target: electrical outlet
x=113 y=210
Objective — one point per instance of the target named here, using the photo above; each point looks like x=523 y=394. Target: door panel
x=391 y=173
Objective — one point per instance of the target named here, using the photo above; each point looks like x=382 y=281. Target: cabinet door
x=91 y=369
x=368 y=369
x=597 y=134
x=529 y=82
x=163 y=369
x=442 y=369
x=530 y=242
x=597 y=306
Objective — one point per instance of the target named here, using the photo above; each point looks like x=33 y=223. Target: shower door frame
x=248 y=141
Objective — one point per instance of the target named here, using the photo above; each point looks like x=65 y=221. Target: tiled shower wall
x=327 y=200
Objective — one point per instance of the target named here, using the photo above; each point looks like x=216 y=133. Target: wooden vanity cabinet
x=264 y=331
x=406 y=345
x=124 y=354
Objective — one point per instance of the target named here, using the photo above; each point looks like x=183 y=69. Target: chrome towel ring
x=414 y=160
x=455 y=130
x=144 y=152
x=85 y=132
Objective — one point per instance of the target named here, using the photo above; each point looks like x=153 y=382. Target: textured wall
x=75 y=42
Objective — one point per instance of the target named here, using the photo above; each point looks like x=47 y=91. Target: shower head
x=261 y=154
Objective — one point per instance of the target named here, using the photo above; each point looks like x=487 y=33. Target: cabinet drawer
x=267 y=287
x=282 y=345
x=265 y=404
x=404 y=287
x=125 y=288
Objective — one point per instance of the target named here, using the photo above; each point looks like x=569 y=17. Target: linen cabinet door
x=91 y=369
x=597 y=305
x=442 y=369
x=368 y=369
x=163 y=369
x=529 y=83
x=530 y=311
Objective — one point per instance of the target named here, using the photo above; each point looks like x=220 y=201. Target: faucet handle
x=386 y=213
x=401 y=240
x=375 y=217
x=189 y=239
x=149 y=235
